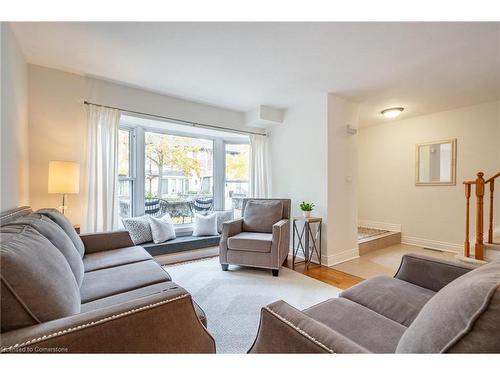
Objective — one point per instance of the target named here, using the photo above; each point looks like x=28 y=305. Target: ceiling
x=424 y=67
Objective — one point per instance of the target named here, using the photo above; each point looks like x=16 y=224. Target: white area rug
x=232 y=300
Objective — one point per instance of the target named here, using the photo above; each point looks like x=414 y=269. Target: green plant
x=306 y=206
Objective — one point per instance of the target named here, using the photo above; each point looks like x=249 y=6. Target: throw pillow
x=139 y=229
x=61 y=220
x=162 y=228
x=223 y=216
x=261 y=215
x=205 y=225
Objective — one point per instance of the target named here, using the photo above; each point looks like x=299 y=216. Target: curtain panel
x=259 y=186
x=101 y=209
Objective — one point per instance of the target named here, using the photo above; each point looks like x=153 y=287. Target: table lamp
x=64 y=178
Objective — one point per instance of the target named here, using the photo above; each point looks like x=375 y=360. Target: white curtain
x=102 y=169
x=259 y=167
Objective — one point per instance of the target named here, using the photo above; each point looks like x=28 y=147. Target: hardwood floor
x=328 y=275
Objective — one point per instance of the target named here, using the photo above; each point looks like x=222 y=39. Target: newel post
x=479 y=248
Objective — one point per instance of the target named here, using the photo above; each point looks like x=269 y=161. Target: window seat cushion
x=181 y=243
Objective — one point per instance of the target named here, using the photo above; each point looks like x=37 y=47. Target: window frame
x=138 y=155
x=131 y=165
x=232 y=142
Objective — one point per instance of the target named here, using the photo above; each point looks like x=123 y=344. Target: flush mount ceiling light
x=392 y=112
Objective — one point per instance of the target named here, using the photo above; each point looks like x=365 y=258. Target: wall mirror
x=436 y=163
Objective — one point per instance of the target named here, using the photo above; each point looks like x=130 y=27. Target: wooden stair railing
x=480 y=184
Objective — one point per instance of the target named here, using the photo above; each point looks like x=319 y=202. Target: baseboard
x=330 y=260
x=187 y=255
x=380 y=225
x=342 y=257
x=432 y=244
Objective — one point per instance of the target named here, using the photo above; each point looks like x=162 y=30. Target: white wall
x=387 y=191
x=342 y=181
x=311 y=155
x=58 y=130
x=299 y=155
x=14 y=123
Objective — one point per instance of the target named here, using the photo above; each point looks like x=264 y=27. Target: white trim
x=342 y=257
x=433 y=244
x=380 y=225
x=330 y=260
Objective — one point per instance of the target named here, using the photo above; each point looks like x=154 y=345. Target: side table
x=308 y=241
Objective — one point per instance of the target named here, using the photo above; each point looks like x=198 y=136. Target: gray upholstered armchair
x=261 y=238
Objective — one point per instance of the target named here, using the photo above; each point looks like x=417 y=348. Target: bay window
x=177 y=169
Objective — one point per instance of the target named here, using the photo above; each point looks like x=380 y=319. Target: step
x=367 y=245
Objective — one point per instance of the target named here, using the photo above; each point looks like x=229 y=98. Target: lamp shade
x=64 y=177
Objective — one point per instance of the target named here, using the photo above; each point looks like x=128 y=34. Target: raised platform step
x=369 y=244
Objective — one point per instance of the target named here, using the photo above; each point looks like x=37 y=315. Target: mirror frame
x=453 y=181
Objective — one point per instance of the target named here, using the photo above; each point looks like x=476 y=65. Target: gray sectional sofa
x=97 y=293
x=430 y=306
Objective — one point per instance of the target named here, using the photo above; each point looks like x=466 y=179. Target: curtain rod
x=190 y=123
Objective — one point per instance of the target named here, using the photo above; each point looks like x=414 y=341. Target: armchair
x=261 y=238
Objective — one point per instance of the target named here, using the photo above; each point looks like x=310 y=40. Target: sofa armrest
x=430 y=273
x=165 y=322
x=281 y=241
x=95 y=242
x=284 y=329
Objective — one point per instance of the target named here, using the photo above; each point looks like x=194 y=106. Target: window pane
x=237 y=172
x=124 y=183
x=178 y=176
x=123 y=153
x=125 y=197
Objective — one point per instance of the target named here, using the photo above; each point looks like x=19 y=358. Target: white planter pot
x=307 y=214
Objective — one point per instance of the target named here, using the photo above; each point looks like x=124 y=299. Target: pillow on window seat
x=223 y=216
x=138 y=228
x=162 y=228
x=205 y=225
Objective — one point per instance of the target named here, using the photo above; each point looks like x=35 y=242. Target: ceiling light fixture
x=392 y=112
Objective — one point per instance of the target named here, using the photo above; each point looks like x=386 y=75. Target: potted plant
x=306 y=208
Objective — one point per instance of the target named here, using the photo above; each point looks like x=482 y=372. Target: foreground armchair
x=261 y=238
x=430 y=306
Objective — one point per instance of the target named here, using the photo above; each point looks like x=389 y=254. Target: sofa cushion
x=464 y=316
x=395 y=299
x=365 y=327
x=251 y=241
x=56 y=235
x=261 y=215
x=139 y=293
x=37 y=283
x=113 y=258
x=66 y=226
x=110 y=281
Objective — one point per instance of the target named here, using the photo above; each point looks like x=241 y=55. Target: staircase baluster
x=479 y=247
x=490 y=229
x=467 y=210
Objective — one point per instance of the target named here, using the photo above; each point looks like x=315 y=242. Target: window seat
x=179 y=244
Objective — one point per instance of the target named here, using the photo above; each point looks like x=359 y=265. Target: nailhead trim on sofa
x=90 y=324
x=303 y=333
